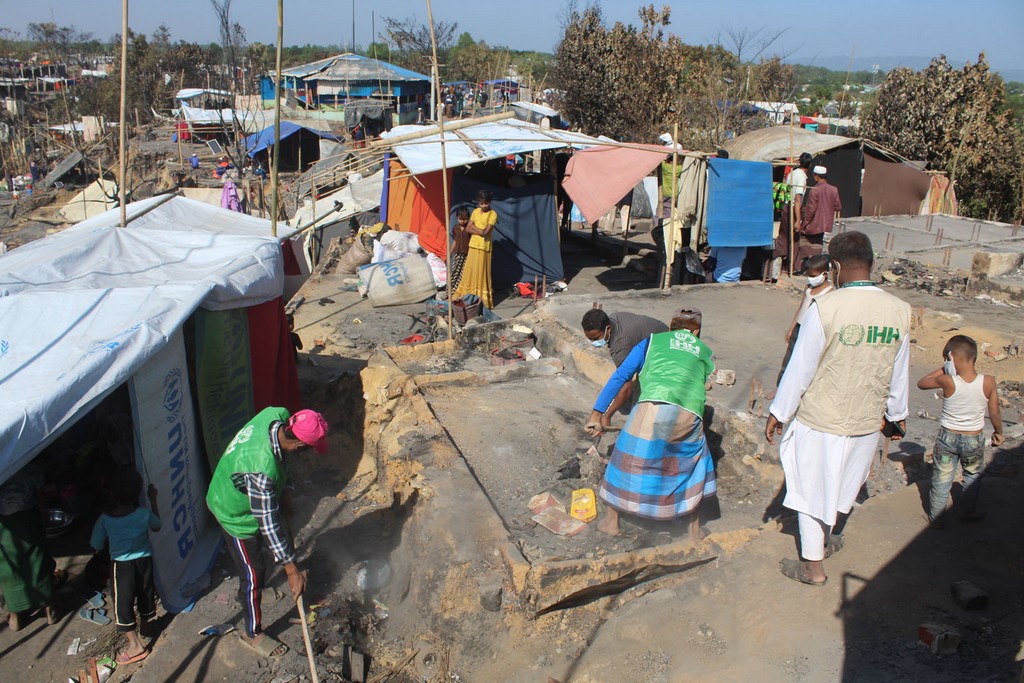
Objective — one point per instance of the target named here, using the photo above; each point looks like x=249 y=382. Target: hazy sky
x=817 y=30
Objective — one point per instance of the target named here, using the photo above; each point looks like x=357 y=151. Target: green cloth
x=250 y=452
x=676 y=370
x=26 y=568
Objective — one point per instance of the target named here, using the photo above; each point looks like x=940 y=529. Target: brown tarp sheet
x=891 y=188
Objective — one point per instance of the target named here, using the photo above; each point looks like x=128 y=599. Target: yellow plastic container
x=584 y=505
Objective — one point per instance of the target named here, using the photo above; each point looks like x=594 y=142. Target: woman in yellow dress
x=476 y=275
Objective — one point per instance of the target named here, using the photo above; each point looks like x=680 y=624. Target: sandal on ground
x=96 y=600
x=94 y=616
x=833 y=545
x=264 y=645
x=794 y=569
x=123 y=658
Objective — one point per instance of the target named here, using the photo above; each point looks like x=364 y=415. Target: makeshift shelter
x=526 y=240
x=300 y=146
x=871 y=179
x=345 y=78
x=160 y=308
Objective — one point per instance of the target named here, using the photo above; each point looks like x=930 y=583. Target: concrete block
x=995 y=263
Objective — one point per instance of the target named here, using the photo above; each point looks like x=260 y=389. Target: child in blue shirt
x=126 y=527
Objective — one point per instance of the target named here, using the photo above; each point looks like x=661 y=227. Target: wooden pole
x=124 y=108
x=444 y=172
x=302 y=608
x=792 y=206
x=274 y=189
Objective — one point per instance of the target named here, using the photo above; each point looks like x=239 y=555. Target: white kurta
x=824 y=472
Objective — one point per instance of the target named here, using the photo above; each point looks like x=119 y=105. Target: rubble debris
x=491 y=589
x=941 y=639
x=969 y=595
x=725 y=377
x=558 y=522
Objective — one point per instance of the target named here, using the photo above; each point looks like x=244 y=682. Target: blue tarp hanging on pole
x=526 y=237
x=739 y=203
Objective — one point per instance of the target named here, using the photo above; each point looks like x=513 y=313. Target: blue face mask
x=599 y=343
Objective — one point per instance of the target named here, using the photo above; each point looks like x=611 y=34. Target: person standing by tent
x=848 y=377
x=476 y=276
x=246 y=496
x=792 y=210
x=819 y=215
x=26 y=567
x=460 y=246
x=661 y=467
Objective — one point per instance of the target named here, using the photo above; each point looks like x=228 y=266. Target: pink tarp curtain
x=598 y=177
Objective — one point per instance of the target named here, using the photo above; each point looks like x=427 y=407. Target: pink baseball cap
x=310 y=428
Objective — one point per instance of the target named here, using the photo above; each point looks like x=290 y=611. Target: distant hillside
x=841 y=63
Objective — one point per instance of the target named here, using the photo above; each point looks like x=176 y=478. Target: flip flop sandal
x=833 y=545
x=96 y=600
x=123 y=658
x=265 y=646
x=94 y=616
x=794 y=569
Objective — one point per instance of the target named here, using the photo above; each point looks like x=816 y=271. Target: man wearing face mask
x=619 y=333
x=848 y=376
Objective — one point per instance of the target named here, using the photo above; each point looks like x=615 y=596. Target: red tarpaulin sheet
x=598 y=177
x=275 y=380
x=417 y=205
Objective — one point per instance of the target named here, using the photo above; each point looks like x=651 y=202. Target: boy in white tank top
x=965 y=396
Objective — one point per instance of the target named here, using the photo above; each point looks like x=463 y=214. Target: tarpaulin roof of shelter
x=189 y=93
x=535 y=107
x=473 y=144
x=85 y=308
x=773 y=143
x=352 y=67
x=597 y=178
x=257 y=142
x=770 y=144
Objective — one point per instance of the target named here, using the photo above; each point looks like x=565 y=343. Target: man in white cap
x=819 y=215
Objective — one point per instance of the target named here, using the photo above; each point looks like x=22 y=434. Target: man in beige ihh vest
x=849 y=372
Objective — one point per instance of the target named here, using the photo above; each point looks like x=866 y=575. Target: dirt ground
x=733 y=619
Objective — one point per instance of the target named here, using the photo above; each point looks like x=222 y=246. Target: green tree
x=959 y=122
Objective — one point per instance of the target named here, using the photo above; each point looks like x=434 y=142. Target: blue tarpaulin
x=257 y=142
x=526 y=237
x=739 y=203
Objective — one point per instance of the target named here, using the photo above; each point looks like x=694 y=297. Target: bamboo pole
x=274 y=189
x=444 y=172
x=792 y=207
x=124 y=108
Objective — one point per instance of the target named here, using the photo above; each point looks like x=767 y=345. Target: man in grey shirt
x=620 y=332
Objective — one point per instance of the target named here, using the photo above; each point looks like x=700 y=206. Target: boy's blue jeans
x=951 y=448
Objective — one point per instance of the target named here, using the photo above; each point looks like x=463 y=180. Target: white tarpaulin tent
x=473 y=144
x=96 y=306
x=247 y=121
